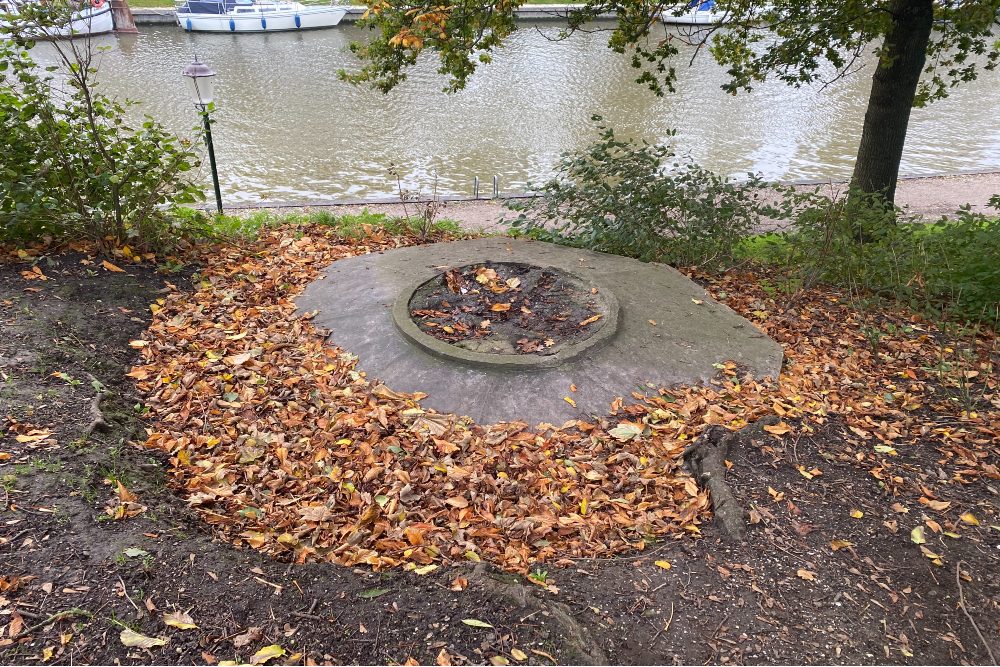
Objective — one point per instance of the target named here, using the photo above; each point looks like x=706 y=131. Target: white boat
x=255 y=15
x=696 y=12
x=92 y=18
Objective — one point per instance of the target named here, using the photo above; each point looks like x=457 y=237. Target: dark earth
x=508 y=308
x=65 y=341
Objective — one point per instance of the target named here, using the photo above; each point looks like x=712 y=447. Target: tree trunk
x=894 y=87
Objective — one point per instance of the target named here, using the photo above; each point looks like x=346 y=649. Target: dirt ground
x=784 y=596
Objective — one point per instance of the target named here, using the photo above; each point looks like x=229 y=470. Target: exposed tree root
x=706 y=459
x=97 y=423
x=578 y=645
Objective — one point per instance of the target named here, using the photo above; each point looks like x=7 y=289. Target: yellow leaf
x=569 y=400
x=267 y=653
x=47 y=653
x=969 y=518
x=837 y=545
x=518 y=654
x=934 y=558
x=583 y=507
x=664 y=564
x=180 y=620
x=138 y=344
x=426 y=569
x=111 y=267
x=857 y=514
x=500 y=307
x=806 y=574
x=134 y=639
x=917 y=535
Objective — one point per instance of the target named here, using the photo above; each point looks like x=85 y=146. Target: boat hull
x=89 y=21
x=310 y=18
x=692 y=18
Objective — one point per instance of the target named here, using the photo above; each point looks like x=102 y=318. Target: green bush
x=641 y=200
x=73 y=166
x=950 y=267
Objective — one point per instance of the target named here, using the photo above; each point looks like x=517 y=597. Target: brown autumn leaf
x=781 y=428
x=381 y=461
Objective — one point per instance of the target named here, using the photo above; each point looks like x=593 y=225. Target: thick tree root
x=97 y=423
x=576 y=644
x=706 y=459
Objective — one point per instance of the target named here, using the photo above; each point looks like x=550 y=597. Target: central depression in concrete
x=575 y=312
x=660 y=329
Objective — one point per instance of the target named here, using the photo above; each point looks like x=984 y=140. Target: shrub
x=74 y=166
x=641 y=200
x=950 y=267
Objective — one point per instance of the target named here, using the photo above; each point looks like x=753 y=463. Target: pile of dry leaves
x=284 y=445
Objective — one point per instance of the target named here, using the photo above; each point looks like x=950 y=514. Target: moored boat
x=696 y=12
x=255 y=15
x=90 y=18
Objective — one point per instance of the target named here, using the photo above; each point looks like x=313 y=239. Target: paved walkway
x=926 y=196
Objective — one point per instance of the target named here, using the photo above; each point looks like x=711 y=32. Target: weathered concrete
x=355 y=298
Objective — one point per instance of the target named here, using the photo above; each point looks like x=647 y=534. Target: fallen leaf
x=938 y=505
x=662 y=563
x=180 y=620
x=372 y=593
x=111 y=267
x=626 y=431
x=476 y=623
x=267 y=653
x=781 y=428
x=969 y=518
x=857 y=514
x=837 y=545
x=806 y=574
x=134 y=639
x=917 y=535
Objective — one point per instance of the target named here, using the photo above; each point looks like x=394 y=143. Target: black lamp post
x=201 y=87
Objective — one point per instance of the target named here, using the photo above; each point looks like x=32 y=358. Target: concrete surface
x=355 y=296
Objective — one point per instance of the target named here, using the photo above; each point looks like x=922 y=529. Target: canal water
x=288 y=130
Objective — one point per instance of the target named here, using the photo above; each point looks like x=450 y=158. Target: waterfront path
x=927 y=196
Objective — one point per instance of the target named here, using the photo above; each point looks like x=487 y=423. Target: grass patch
x=357 y=225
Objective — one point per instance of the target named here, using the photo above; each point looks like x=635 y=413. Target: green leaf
x=373 y=593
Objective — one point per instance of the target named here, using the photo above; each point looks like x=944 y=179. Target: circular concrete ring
x=521 y=362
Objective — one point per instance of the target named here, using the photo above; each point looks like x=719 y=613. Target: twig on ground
x=961 y=605
x=54 y=618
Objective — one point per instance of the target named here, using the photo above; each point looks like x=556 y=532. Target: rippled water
x=288 y=130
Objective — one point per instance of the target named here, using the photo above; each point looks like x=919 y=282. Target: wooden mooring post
x=122 y=15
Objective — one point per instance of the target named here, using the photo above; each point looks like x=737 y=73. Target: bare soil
x=783 y=596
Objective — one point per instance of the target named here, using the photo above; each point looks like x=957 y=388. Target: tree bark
x=894 y=87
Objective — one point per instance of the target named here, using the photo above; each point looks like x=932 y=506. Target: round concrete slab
x=355 y=299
